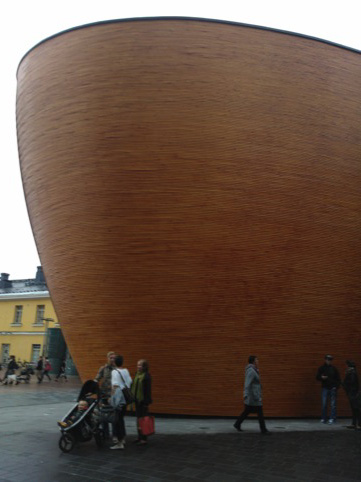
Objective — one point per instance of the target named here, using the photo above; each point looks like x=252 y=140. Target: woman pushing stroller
x=92 y=413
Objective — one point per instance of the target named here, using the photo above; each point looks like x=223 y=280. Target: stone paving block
x=73 y=478
x=224 y=477
x=342 y=478
x=189 y=472
x=188 y=479
x=116 y=478
x=6 y=475
x=173 y=478
x=133 y=475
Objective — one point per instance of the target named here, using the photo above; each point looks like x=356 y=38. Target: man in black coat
x=329 y=376
x=39 y=369
x=352 y=388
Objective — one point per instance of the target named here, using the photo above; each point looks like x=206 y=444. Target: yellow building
x=26 y=313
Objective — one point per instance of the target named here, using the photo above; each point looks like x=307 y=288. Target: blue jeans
x=332 y=394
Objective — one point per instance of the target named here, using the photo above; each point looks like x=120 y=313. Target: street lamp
x=45 y=344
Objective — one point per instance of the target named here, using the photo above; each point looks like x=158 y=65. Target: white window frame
x=40 y=314
x=35 y=358
x=18 y=315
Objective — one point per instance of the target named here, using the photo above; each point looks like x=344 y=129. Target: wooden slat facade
x=194 y=190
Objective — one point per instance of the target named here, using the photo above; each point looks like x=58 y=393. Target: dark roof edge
x=198 y=19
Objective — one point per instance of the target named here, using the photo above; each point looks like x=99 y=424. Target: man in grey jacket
x=252 y=396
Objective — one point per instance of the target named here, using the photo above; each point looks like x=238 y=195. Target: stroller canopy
x=90 y=387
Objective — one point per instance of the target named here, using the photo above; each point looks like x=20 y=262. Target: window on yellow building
x=18 y=315
x=35 y=353
x=40 y=310
x=5 y=352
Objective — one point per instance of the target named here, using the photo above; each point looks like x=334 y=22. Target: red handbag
x=146 y=425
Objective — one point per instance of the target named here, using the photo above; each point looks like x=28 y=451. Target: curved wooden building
x=194 y=189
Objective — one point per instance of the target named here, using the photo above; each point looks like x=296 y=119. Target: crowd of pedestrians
x=43 y=369
x=15 y=372
x=119 y=390
x=330 y=380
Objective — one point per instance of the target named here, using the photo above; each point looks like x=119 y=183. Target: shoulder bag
x=128 y=396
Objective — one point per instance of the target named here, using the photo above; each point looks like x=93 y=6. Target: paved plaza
x=184 y=449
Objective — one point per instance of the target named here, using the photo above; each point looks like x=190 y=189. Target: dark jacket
x=39 y=366
x=333 y=379
x=147 y=389
x=12 y=366
x=351 y=383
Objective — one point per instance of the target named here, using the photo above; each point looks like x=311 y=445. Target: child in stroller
x=82 y=406
x=80 y=424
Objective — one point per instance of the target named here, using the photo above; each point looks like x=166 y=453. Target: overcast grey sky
x=26 y=22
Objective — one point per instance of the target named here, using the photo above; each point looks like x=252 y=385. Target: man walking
x=46 y=370
x=329 y=376
x=62 y=371
x=39 y=369
x=252 y=396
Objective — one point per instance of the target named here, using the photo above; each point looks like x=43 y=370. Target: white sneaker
x=323 y=420
x=331 y=421
x=118 y=446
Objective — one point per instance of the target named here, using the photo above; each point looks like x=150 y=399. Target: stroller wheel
x=99 y=438
x=66 y=443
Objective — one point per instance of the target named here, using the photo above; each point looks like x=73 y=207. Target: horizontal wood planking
x=194 y=192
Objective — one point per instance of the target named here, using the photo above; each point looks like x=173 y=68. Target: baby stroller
x=25 y=374
x=10 y=377
x=87 y=426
